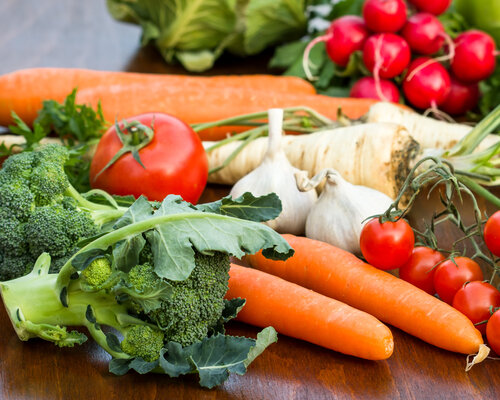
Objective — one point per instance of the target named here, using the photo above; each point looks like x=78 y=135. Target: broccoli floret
x=98 y=272
x=41 y=212
x=195 y=304
x=143 y=341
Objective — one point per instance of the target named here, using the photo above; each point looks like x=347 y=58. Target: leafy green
x=197 y=32
x=78 y=126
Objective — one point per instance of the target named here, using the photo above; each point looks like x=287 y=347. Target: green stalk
x=109 y=239
x=480 y=190
x=470 y=142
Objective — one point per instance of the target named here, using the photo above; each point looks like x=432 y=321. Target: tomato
x=492 y=233
x=493 y=332
x=420 y=268
x=174 y=162
x=387 y=245
x=474 y=300
x=449 y=278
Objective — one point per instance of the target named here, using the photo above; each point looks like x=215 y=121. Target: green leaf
x=150 y=299
x=247 y=206
x=126 y=252
x=120 y=366
x=141 y=366
x=197 y=61
x=206 y=232
x=287 y=54
x=174 y=360
x=264 y=339
x=231 y=309
x=113 y=342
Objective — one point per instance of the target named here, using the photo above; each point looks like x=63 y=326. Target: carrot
x=374 y=155
x=307 y=315
x=338 y=274
x=24 y=90
x=210 y=104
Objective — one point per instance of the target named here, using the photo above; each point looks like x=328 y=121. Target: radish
x=384 y=15
x=345 y=35
x=367 y=88
x=474 y=56
x=461 y=98
x=386 y=55
x=427 y=86
x=424 y=33
x=436 y=7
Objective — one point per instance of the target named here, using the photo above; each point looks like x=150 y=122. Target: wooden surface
x=70 y=33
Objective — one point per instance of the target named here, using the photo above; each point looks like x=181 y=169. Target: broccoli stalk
x=150 y=292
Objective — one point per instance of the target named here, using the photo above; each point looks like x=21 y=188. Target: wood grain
x=82 y=34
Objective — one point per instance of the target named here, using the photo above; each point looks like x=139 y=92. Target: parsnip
x=377 y=155
x=428 y=132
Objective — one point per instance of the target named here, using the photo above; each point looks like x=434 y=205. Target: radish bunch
x=406 y=43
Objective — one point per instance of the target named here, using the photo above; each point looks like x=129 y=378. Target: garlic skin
x=276 y=174
x=338 y=215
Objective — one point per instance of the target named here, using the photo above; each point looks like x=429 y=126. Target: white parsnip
x=377 y=155
x=428 y=132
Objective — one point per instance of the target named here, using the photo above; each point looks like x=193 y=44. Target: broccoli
x=150 y=291
x=41 y=212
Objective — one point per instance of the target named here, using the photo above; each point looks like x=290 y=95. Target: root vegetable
x=338 y=274
x=24 y=90
x=367 y=87
x=461 y=98
x=384 y=15
x=303 y=314
x=424 y=33
x=386 y=55
x=428 y=132
x=374 y=155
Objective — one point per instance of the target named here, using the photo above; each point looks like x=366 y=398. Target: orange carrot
x=24 y=90
x=340 y=275
x=210 y=104
x=303 y=314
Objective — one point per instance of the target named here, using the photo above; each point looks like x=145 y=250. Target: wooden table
x=81 y=34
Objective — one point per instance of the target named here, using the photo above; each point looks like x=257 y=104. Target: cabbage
x=197 y=32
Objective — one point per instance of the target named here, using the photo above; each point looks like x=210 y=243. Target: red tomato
x=493 y=332
x=387 y=245
x=420 y=268
x=449 y=278
x=175 y=162
x=492 y=233
x=474 y=300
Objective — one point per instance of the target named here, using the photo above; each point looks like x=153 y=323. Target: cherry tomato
x=474 y=300
x=492 y=233
x=449 y=278
x=420 y=268
x=493 y=332
x=174 y=162
x=387 y=245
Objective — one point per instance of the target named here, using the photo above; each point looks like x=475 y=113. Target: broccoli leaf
x=206 y=232
x=215 y=357
x=126 y=252
x=247 y=206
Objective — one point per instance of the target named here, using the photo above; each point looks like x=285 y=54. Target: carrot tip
x=480 y=356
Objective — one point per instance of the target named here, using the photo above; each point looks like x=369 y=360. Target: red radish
x=386 y=55
x=384 y=15
x=474 y=58
x=367 y=88
x=461 y=98
x=345 y=35
x=426 y=86
x=436 y=7
x=424 y=33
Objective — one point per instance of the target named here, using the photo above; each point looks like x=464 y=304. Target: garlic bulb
x=338 y=215
x=276 y=174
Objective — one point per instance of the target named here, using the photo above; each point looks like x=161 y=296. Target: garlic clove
x=341 y=210
x=276 y=174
